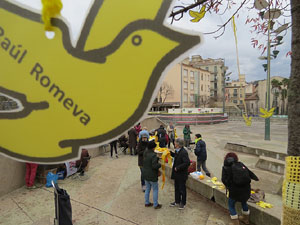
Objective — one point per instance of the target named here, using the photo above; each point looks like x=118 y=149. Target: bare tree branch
x=185 y=9
x=224 y=25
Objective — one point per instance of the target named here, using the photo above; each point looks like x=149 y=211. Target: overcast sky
x=74 y=12
x=224 y=47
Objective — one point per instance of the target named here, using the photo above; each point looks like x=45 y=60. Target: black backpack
x=240 y=174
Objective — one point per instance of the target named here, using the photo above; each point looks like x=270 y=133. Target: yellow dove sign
x=265 y=113
x=197 y=15
x=248 y=120
x=87 y=94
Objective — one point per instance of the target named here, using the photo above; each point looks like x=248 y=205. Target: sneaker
x=181 y=206
x=172 y=204
x=149 y=204
x=158 y=206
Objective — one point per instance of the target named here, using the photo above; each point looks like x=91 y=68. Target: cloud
x=224 y=46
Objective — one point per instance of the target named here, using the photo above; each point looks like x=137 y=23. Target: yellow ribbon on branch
x=51 y=8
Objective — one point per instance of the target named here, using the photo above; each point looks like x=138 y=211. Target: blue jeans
x=154 y=185
x=231 y=206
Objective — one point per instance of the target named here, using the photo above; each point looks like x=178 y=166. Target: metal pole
x=181 y=85
x=267 y=120
x=224 y=93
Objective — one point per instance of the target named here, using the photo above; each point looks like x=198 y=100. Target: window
x=241 y=95
x=201 y=76
x=192 y=74
x=204 y=87
x=207 y=68
x=208 y=88
x=241 y=102
x=215 y=69
x=185 y=85
x=185 y=97
x=251 y=105
x=234 y=85
x=235 y=101
x=192 y=86
x=192 y=98
x=185 y=73
x=201 y=87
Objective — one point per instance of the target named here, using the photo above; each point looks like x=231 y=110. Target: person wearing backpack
x=200 y=152
x=237 y=178
x=161 y=134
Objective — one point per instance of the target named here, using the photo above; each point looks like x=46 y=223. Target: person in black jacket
x=237 y=192
x=150 y=174
x=200 y=152
x=123 y=143
x=161 y=135
x=141 y=148
x=180 y=173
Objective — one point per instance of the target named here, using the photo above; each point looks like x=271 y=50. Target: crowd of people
x=235 y=175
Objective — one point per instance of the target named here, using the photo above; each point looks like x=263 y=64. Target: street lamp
x=224 y=78
x=269 y=14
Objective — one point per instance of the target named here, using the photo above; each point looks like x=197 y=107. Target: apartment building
x=217 y=69
x=235 y=91
x=184 y=86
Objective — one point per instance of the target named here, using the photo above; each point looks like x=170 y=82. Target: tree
x=284 y=94
x=294 y=84
x=204 y=100
x=276 y=90
x=213 y=6
x=165 y=91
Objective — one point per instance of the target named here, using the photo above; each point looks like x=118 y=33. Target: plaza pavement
x=112 y=194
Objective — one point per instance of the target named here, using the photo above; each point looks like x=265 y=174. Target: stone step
x=270 y=164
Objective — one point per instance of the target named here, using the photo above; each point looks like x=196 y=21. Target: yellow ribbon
x=236 y=45
x=165 y=155
x=51 y=8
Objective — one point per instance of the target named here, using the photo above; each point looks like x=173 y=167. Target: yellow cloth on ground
x=264 y=204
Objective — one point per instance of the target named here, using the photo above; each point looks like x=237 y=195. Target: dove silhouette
x=87 y=94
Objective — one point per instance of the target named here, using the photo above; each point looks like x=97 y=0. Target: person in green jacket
x=187 y=136
x=150 y=174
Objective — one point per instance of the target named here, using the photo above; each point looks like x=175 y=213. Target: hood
x=229 y=161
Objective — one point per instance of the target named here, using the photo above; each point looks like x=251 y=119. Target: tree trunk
x=294 y=89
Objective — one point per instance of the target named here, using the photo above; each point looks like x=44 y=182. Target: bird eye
x=136 y=40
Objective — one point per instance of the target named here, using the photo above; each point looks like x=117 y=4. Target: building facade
x=217 y=69
x=235 y=92
x=189 y=87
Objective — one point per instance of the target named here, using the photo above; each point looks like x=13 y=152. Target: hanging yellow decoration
x=197 y=15
x=51 y=8
x=265 y=113
x=165 y=154
x=248 y=120
x=236 y=45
